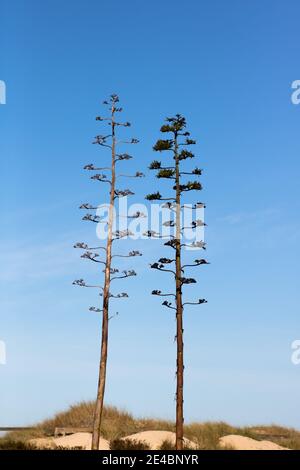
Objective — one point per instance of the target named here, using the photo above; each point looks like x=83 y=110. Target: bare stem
x=179 y=310
x=105 y=316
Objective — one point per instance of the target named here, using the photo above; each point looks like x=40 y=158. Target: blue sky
x=228 y=67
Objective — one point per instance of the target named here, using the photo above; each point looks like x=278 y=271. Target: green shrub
x=128 y=444
x=168 y=445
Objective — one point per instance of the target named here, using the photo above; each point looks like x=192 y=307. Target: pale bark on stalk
x=106 y=291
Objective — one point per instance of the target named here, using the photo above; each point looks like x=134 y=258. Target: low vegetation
x=118 y=424
x=128 y=444
x=11 y=444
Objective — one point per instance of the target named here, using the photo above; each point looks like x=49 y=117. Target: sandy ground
x=155 y=438
x=84 y=439
x=246 y=443
x=79 y=439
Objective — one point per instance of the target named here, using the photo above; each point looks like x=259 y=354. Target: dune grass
x=12 y=444
x=119 y=423
x=128 y=444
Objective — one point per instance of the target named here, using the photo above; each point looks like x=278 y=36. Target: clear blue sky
x=228 y=66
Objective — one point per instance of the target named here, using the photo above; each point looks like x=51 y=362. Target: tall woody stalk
x=109 y=141
x=176 y=126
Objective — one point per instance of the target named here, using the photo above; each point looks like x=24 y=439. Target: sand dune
x=246 y=443
x=154 y=439
x=79 y=439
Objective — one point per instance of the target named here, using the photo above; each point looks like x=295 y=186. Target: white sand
x=154 y=439
x=79 y=439
x=246 y=443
